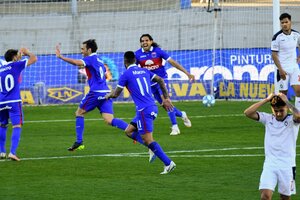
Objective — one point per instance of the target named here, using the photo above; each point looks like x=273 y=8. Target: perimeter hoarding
x=238 y=74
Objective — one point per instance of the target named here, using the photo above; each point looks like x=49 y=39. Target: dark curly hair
x=276 y=101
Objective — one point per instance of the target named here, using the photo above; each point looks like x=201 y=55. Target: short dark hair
x=91 y=44
x=285 y=15
x=154 y=44
x=129 y=57
x=277 y=102
x=9 y=54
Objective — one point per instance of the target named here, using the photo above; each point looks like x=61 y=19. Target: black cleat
x=75 y=146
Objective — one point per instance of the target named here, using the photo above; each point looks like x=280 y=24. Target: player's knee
x=107 y=121
x=78 y=113
x=265 y=196
x=17 y=126
x=297 y=93
x=283 y=197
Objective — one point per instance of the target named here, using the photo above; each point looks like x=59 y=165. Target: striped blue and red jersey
x=153 y=60
x=95 y=71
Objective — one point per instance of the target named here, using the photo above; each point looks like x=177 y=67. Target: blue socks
x=2 y=139
x=157 y=150
x=79 y=129
x=136 y=136
x=178 y=113
x=15 y=139
x=119 y=123
x=172 y=115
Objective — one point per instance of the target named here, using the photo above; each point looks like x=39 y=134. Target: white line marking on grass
x=171 y=154
x=223 y=149
x=95 y=119
x=142 y=156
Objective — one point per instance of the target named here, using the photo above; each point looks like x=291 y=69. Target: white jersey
x=286 y=46
x=280 y=140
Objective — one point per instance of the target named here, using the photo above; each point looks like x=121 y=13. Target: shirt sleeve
x=86 y=61
x=275 y=45
x=152 y=75
x=263 y=117
x=163 y=54
x=20 y=65
x=122 y=81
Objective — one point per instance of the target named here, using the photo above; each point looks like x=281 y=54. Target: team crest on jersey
x=286 y=123
x=295 y=38
x=153 y=54
x=281 y=85
x=63 y=94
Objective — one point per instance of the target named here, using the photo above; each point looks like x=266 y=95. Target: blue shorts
x=157 y=92
x=96 y=100
x=145 y=119
x=12 y=111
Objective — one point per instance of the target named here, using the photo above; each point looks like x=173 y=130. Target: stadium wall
x=40 y=32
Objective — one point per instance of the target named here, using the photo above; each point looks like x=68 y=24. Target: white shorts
x=285 y=178
x=292 y=78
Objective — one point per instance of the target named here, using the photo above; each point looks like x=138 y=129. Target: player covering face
x=10 y=98
x=281 y=132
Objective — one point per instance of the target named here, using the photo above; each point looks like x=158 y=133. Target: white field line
x=95 y=119
x=171 y=154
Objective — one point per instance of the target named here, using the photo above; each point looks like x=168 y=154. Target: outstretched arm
x=68 y=60
x=114 y=94
x=251 y=112
x=32 y=58
x=181 y=68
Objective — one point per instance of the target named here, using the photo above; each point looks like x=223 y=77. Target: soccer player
x=151 y=56
x=281 y=132
x=10 y=98
x=95 y=98
x=138 y=82
x=284 y=44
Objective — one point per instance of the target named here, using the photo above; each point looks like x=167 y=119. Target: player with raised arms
x=281 y=132
x=152 y=57
x=10 y=98
x=95 y=71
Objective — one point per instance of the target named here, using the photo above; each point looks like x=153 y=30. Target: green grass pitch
x=220 y=157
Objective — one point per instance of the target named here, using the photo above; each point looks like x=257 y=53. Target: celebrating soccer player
x=98 y=89
x=138 y=81
x=10 y=98
x=151 y=56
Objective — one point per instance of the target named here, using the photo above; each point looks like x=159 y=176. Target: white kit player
x=281 y=132
x=284 y=44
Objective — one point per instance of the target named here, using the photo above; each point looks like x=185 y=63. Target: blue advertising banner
x=238 y=73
